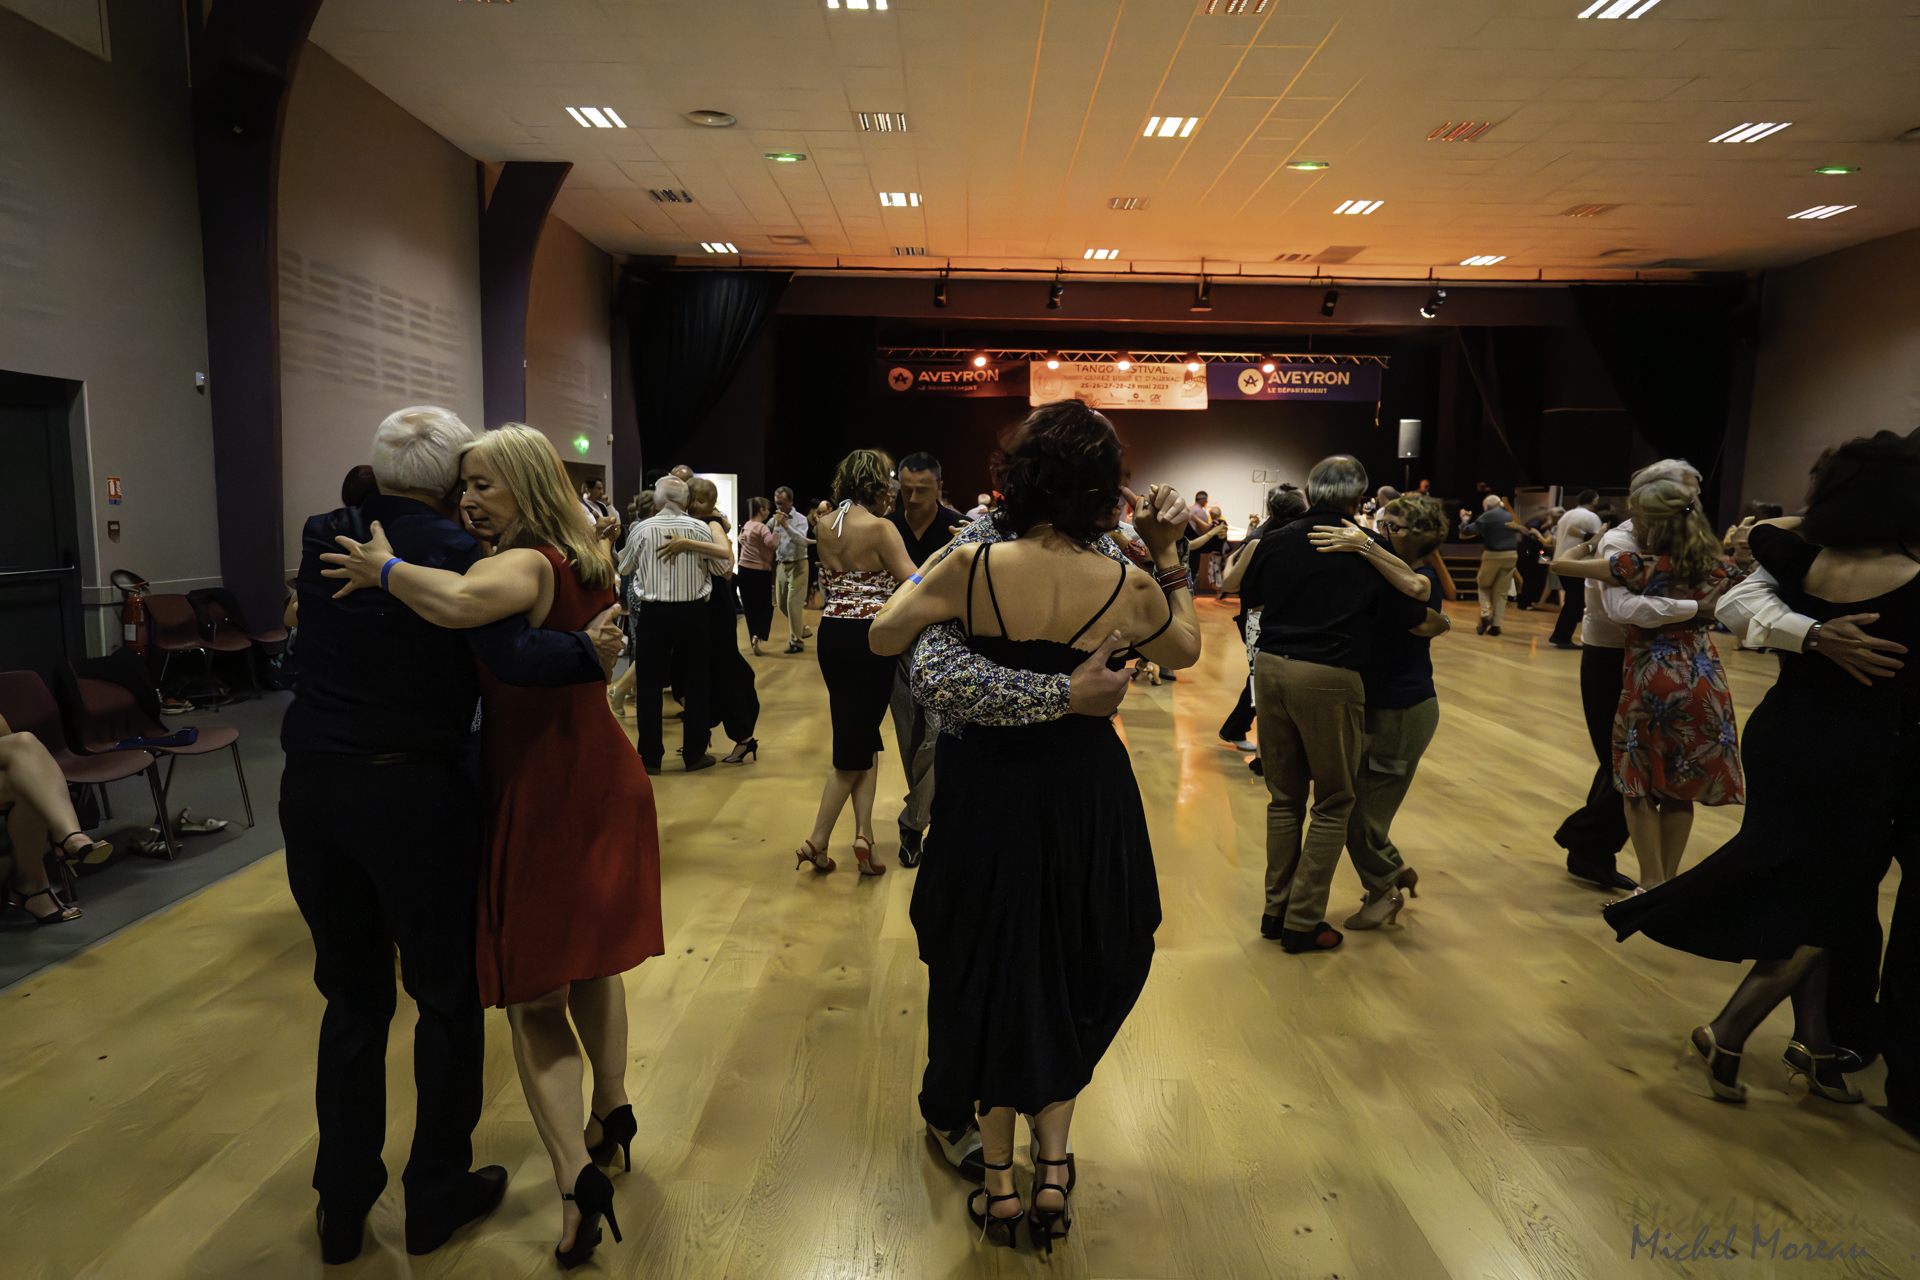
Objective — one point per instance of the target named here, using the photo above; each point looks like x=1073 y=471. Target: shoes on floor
x=910 y=847
x=652 y=766
x=1272 y=926
x=1493 y=631
x=342 y=1234
x=1563 y=644
x=1482 y=629
x=1597 y=874
x=1322 y=937
x=1239 y=744
x=478 y=1195
x=961 y=1149
x=1258 y=766
x=706 y=761
x=794 y=646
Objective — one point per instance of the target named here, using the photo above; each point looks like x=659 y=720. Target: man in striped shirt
x=671 y=586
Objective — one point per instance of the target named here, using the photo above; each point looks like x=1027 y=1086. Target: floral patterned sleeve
x=960 y=687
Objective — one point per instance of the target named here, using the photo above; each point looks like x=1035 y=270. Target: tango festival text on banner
x=1104 y=386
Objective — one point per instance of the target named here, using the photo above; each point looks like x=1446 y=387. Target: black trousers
x=1573 y=604
x=1900 y=969
x=673 y=643
x=756 y=597
x=380 y=855
x=1240 y=719
x=1597 y=830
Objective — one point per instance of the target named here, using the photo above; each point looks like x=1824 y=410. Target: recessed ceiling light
x=1483 y=260
x=909 y=251
x=788 y=239
x=1358 y=206
x=712 y=119
x=1227 y=8
x=856 y=4
x=1617 y=8
x=1587 y=210
x=1102 y=254
x=1751 y=132
x=1463 y=131
x=1170 y=126
x=882 y=121
x=1822 y=211
x=1129 y=202
x=596 y=117
x=1835 y=169
x=1292 y=257
x=900 y=199
x=785 y=157
x=667 y=195
x=1308 y=166
x=718 y=246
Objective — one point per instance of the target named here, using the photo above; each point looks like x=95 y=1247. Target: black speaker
x=1409 y=437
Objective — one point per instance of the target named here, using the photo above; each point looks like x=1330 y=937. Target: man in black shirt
x=1318 y=616
x=383 y=823
x=925 y=526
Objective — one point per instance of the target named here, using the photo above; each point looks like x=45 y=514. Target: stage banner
x=948 y=378
x=1103 y=386
x=1229 y=380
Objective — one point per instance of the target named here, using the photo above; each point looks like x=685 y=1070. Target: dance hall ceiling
x=1587 y=149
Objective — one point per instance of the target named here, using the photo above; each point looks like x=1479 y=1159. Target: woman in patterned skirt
x=1675 y=739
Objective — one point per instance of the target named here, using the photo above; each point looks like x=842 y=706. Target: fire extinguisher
x=133 y=611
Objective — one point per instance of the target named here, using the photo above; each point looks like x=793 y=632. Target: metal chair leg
x=241 y=774
x=160 y=809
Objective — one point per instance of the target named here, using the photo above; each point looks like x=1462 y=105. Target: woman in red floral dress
x=1675 y=737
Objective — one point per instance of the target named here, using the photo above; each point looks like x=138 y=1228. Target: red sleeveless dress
x=571 y=888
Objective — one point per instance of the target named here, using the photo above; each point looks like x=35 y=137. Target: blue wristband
x=914 y=581
x=387 y=568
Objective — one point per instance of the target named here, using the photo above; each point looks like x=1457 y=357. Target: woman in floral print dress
x=1675 y=739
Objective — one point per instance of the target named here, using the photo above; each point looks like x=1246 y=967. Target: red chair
x=109 y=700
x=222 y=632
x=28 y=707
x=173 y=627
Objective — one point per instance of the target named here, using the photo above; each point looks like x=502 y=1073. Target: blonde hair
x=1666 y=523
x=529 y=465
x=1426 y=521
x=865 y=475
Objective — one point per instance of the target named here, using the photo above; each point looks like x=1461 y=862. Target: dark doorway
x=39 y=526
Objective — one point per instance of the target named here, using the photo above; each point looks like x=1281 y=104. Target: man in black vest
x=382 y=816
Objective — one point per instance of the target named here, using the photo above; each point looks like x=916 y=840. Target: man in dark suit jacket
x=381 y=811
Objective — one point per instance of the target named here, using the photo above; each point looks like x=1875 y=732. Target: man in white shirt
x=1595 y=833
x=1575 y=527
x=790 y=565
x=671 y=586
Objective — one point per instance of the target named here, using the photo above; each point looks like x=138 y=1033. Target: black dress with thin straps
x=1037 y=901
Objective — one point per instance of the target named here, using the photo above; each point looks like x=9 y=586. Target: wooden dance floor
x=1494 y=1088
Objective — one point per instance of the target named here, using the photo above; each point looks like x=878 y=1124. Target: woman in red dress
x=570 y=897
x=1675 y=737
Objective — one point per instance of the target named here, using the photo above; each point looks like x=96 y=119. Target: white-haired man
x=382 y=820
x=1594 y=834
x=670 y=630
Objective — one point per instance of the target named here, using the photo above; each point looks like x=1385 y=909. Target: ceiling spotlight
x=1328 y=303
x=712 y=119
x=1751 y=132
x=1266 y=364
x=1308 y=166
x=978 y=360
x=1053 y=360
x=1433 y=304
x=1194 y=362
x=940 y=290
x=1202 y=294
x=1123 y=362
x=1057 y=291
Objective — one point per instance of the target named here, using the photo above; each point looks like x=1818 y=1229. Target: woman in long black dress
x=730 y=692
x=1037 y=902
x=1796 y=891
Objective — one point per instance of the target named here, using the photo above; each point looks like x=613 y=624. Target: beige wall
x=569 y=373
x=379 y=279
x=100 y=282
x=1839 y=357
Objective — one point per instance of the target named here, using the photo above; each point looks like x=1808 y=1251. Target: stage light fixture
x=940 y=290
x=1123 y=362
x=1328 y=303
x=1194 y=362
x=1055 y=293
x=1202 y=295
x=1433 y=304
x=1266 y=364
x=978 y=360
x=1053 y=359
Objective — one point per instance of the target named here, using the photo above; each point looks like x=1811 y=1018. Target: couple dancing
x=533 y=885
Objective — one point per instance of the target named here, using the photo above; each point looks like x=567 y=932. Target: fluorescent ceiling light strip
x=1371 y=207
x=1169 y=126
x=1188 y=128
x=1643 y=8
x=913 y=198
x=614 y=116
x=1587 y=12
x=1757 y=131
x=1152 y=124
x=1729 y=134
x=599 y=121
x=1343 y=206
x=584 y=122
x=1767 y=132
x=1618 y=8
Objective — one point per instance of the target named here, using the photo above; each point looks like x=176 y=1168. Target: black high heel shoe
x=1802 y=1061
x=617 y=1129
x=741 y=750
x=62 y=912
x=1041 y=1222
x=1000 y=1231
x=593 y=1192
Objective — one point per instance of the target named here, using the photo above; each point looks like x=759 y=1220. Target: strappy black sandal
x=995 y=1230
x=62 y=912
x=1042 y=1223
x=63 y=863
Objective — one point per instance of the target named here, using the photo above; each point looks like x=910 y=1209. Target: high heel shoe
x=1041 y=1222
x=1710 y=1054
x=997 y=1230
x=593 y=1193
x=1802 y=1061
x=1378 y=908
x=617 y=699
x=868 y=867
x=807 y=853
x=1635 y=892
x=62 y=912
x=64 y=864
x=617 y=1129
x=741 y=750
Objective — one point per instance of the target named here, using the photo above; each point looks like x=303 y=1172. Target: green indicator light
x=581 y=444
x=1308 y=166
x=1836 y=169
x=785 y=157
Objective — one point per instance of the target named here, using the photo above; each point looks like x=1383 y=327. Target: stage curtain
x=688 y=332
x=1505 y=363
x=1670 y=351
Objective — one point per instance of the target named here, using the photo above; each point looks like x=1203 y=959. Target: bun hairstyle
x=1667 y=522
x=865 y=475
x=1061 y=467
x=1865 y=493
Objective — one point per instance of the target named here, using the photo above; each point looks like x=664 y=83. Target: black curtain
x=689 y=332
x=1506 y=365
x=1670 y=351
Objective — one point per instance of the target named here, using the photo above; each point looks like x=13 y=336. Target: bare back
x=855 y=540
x=1850 y=574
x=1049 y=588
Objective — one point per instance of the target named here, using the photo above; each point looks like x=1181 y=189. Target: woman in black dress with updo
x=1797 y=890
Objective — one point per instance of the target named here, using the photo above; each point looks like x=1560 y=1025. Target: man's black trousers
x=379 y=855
x=673 y=647
x=1597 y=830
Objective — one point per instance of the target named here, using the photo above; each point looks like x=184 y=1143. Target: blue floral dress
x=1674 y=735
